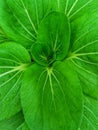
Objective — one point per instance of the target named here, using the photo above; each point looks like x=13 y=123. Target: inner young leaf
x=43 y=54
x=53 y=39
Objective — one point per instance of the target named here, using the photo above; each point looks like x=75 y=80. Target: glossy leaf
x=13 y=62
x=52 y=97
x=53 y=39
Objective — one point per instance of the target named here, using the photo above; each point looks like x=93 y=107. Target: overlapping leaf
x=13 y=61
x=54 y=102
x=21 y=18
x=53 y=39
x=84 y=55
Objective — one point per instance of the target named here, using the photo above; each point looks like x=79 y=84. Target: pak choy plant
x=48 y=65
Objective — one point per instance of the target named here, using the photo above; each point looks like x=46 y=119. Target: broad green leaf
x=89 y=84
x=21 y=18
x=12 y=123
x=53 y=39
x=14 y=59
x=52 y=97
x=84 y=56
x=84 y=49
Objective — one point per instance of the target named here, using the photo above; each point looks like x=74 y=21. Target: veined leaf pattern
x=50 y=96
x=20 y=21
x=12 y=66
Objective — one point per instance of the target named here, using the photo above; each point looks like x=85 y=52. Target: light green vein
x=12 y=88
x=9 y=79
x=89 y=122
x=88 y=62
x=80 y=8
x=88 y=44
x=66 y=7
x=88 y=109
x=52 y=92
x=27 y=13
x=74 y=4
x=84 y=69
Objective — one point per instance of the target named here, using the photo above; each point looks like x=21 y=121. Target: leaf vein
x=27 y=13
x=80 y=9
x=84 y=69
x=74 y=4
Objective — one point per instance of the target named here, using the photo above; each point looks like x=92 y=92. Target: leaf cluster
x=48 y=64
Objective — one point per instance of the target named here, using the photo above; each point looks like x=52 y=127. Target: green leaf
x=89 y=84
x=12 y=123
x=84 y=55
x=14 y=59
x=42 y=54
x=21 y=18
x=84 y=50
x=52 y=97
x=53 y=39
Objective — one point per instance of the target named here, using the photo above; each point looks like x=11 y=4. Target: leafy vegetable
x=54 y=79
